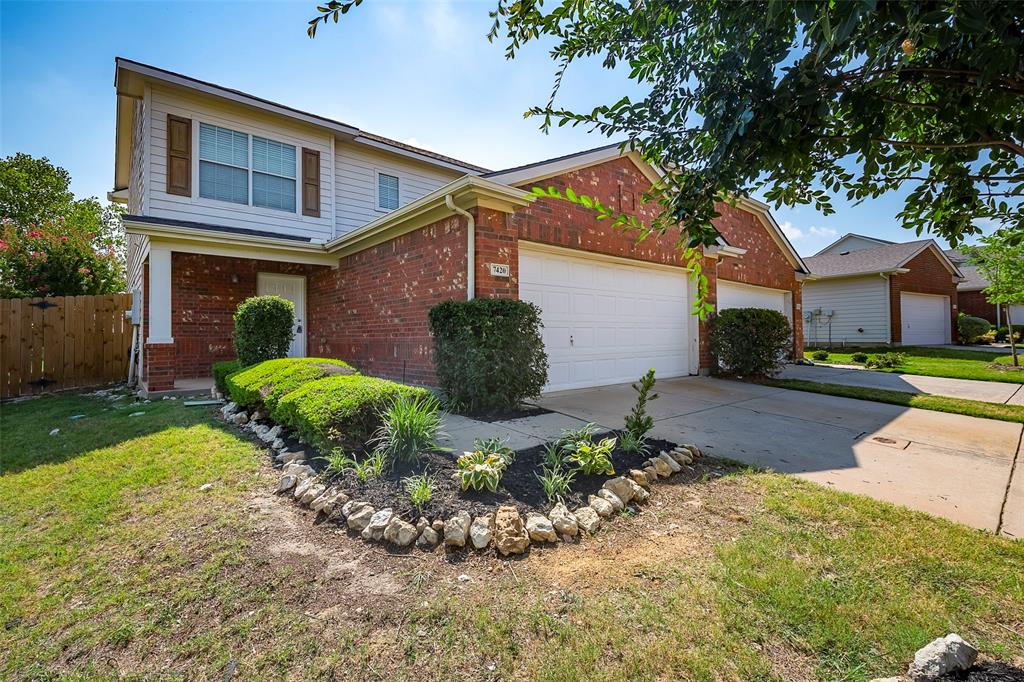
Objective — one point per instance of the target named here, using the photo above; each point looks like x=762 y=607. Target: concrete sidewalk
x=987 y=391
x=958 y=467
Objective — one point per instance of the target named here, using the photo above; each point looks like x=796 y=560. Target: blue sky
x=421 y=72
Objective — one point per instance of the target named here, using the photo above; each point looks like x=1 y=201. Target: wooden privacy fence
x=47 y=344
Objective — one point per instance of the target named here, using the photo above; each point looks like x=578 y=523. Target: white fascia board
x=467 y=191
x=547 y=169
x=890 y=271
x=880 y=242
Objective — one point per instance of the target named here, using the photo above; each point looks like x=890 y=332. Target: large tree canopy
x=802 y=100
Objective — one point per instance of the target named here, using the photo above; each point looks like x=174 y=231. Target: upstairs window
x=273 y=174
x=225 y=169
x=387 y=192
x=223 y=164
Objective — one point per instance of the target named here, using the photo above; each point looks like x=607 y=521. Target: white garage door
x=606 y=322
x=733 y=295
x=925 y=319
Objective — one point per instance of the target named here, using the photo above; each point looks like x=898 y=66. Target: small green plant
x=859 y=357
x=886 y=361
x=570 y=437
x=592 y=458
x=480 y=470
x=632 y=444
x=553 y=457
x=638 y=422
x=371 y=467
x=555 y=482
x=420 y=489
x=819 y=355
x=498 y=446
x=409 y=425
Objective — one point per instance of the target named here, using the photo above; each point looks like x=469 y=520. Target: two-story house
x=230 y=195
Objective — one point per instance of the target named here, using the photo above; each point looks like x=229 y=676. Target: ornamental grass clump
x=409 y=425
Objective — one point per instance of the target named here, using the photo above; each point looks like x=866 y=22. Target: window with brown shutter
x=310 y=182
x=179 y=155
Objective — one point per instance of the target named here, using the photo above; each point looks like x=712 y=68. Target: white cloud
x=416 y=143
x=443 y=27
x=825 y=232
x=791 y=231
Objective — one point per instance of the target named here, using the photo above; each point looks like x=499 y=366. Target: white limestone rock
x=399 y=532
x=360 y=517
x=620 y=487
x=563 y=520
x=456 y=529
x=588 y=520
x=481 y=531
x=540 y=528
x=600 y=505
x=613 y=499
x=939 y=657
x=378 y=522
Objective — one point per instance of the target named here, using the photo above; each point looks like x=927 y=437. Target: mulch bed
x=986 y=672
x=520 y=412
x=519 y=485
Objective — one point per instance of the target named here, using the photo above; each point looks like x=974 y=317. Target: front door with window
x=293 y=288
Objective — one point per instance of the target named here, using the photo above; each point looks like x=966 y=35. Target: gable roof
x=129 y=74
x=880 y=242
x=534 y=172
x=888 y=258
x=973 y=279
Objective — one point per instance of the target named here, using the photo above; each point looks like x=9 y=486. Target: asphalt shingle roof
x=879 y=259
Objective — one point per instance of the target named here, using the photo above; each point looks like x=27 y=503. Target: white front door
x=924 y=319
x=293 y=288
x=608 y=321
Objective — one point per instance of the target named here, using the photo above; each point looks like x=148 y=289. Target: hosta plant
x=496 y=445
x=592 y=458
x=480 y=470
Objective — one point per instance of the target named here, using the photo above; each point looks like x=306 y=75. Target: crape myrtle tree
x=1000 y=260
x=802 y=101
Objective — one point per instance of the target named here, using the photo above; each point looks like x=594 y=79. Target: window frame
x=297 y=170
x=376 y=190
x=249 y=133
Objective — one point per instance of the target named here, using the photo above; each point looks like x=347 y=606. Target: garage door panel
x=924 y=319
x=734 y=295
x=621 y=319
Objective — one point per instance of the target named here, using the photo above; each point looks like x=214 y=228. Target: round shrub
x=488 y=352
x=750 y=342
x=971 y=328
x=819 y=355
x=859 y=357
x=263 y=329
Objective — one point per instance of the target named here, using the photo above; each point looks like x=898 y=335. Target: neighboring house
x=973 y=300
x=230 y=196
x=869 y=291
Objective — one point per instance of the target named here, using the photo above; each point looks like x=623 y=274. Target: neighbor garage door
x=924 y=319
x=607 y=322
x=733 y=295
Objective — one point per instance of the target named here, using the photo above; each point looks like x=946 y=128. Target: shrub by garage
x=266 y=383
x=749 y=342
x=343 y=410
x=488 y=353
x=263 y=329
x=970 y=328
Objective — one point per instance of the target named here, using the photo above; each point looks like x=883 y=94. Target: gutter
x=470 y=245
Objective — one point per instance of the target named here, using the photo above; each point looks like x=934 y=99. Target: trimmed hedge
x=971 y=328
x=750 y=342
x=340 y=410
x=266 y=383
x=221 y=370
x=488 y=352
x=263 y=329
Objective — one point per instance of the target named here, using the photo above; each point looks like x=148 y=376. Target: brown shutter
x=179 y=155
x=310 y=182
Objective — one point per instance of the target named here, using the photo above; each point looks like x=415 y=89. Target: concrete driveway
x=987 y=391
x=944 y=464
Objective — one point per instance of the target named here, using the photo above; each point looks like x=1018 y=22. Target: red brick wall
x=975 y=303
x=158 y=373
x=205 y=291
x=927 y=276
x=372 y=310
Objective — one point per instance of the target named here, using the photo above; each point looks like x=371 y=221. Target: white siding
x=356 y=168
x=857 y=302
x=135 y=257
x=137 y=180
x=850 y=243
x=197 y=108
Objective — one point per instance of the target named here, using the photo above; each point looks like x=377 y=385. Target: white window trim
x=376 y=190
x=249 y=133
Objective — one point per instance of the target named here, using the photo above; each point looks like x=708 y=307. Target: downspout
x=470 y=245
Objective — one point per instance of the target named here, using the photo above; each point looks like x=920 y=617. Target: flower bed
x=388 y=481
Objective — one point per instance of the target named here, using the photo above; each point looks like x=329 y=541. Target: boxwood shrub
x=263 y=329
x=340 y=410
x=266 y=383
x=221 y=370
x=488 y=353
x=750 y=342
x=971 y=328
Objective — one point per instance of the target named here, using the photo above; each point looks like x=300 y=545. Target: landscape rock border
x=506 y=530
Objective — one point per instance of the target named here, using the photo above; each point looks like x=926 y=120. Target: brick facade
x=975 y=303
x=927 y=276
x=372 y=310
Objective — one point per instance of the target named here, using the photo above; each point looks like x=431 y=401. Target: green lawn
x=937 y=362
x=938 y=403
x=113 y=563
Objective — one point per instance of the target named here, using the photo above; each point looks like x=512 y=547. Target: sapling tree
x=1000 y=260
